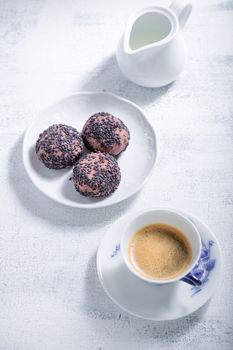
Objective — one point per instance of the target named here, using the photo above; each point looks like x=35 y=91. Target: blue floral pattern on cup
x=200 y=273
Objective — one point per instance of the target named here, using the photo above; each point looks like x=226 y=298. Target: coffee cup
x=165 y=218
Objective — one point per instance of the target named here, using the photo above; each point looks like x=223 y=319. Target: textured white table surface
x=50 y=297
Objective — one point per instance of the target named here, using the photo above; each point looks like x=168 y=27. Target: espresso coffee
x=159 y=251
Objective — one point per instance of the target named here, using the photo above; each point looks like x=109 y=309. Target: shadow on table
x=99 y=307
x=39 y=205
x=107 y=77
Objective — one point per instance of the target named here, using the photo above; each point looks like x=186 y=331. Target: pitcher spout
x=148 y=29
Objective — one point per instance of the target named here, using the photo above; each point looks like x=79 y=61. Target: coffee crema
x=159 y=251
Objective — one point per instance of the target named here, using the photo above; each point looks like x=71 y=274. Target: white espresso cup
x=168 y=217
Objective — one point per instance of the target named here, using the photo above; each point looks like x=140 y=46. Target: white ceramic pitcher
x=151 y=52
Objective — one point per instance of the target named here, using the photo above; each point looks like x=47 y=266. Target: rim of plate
x=191 y=216
x=99 y=204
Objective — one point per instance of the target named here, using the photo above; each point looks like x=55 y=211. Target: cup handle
x=191 y=280
x=182 y=9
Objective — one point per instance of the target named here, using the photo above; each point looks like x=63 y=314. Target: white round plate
x=147 y=300
x=136 y=162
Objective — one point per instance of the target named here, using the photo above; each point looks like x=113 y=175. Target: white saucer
x=136 y=162
x=147 y=300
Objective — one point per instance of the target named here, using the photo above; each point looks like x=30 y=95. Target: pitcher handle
x=182 y=9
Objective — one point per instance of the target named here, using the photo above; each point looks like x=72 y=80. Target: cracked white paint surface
x=50 y=298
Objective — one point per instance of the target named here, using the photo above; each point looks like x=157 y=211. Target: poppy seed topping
x=96 y=175
x=59 y=146
x=105 y=133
